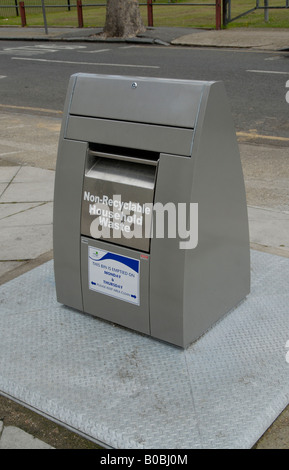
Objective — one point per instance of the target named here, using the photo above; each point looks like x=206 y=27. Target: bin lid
x=140 y=99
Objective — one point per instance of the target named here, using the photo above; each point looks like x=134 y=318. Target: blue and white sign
x=114 y=275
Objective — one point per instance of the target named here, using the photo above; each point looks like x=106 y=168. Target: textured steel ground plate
x=131 y=391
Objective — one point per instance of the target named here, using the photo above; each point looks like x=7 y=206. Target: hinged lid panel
x=146 y=100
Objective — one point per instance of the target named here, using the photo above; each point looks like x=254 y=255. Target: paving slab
x=26 y=210
x=25 y=243
x=15 y=438
x=7 y=209
x=27 y=133
x=266 y=174
x=8 y=266
x=35 y=191
x=8 y=173
x=3 y=186
x=269 y=228
x=40 y=214
x=249 y=38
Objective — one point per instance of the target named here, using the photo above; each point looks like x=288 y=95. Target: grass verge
x=176 y=14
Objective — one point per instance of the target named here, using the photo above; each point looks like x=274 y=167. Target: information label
x=114 y=275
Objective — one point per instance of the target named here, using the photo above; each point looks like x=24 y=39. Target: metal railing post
x=79 y=14
x=266 y=11
x=22 y=13
x=44 y=16
x=218 y=14
x=226 y=12
x=150 y=13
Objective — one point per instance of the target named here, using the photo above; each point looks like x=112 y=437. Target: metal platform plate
x=130 y=391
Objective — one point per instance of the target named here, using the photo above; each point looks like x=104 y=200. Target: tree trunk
x=123 y=19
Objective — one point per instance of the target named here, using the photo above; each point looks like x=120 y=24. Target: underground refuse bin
x=150 y=215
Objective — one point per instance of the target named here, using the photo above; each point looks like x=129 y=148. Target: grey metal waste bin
x=129 y=145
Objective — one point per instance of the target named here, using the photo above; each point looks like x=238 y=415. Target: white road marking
x=95 y=51
x=38 y=49
x=268 y=71
x=128 y=47
x=261 y=136
x=19 y=126
x=28 y=108
x=87 y=63
x=9 y=153
x=274 y=58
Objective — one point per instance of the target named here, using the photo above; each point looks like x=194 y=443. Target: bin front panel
x=117 y=202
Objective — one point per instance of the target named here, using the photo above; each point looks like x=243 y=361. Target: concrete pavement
x=250 y=38
x=27 y=179
x=19 y=439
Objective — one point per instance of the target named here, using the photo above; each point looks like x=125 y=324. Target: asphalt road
x=34 y=76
